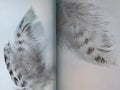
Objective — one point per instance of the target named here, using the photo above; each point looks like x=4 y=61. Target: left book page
x=27 y=45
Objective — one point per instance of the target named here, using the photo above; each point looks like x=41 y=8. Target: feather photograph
x=88 y=44
x=27 y=53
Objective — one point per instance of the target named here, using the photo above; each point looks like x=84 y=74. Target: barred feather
x=82 y=29
x=25 y=58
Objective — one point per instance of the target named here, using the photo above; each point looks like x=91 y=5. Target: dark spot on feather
x=20 y=26
x=5 y=58
x=19 y=76
x=97 y=58
x=90 y=50
x=103 y=60
x=11 y=72
x=26 y=26
x=15 y=80
x=18 y=34
x=23 y=84
x=20 y=49
x=8 y=65
x=20 y=42
x=100 y=59
x=86 y=41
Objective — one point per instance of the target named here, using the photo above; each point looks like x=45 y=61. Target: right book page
x=88 y=44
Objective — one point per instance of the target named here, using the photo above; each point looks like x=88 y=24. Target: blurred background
x=11 y=13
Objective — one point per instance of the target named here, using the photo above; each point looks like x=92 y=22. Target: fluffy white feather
x=25 y=57
x=83 y=30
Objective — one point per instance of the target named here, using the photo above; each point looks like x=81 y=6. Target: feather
x=25 y=58
x=84 y=31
